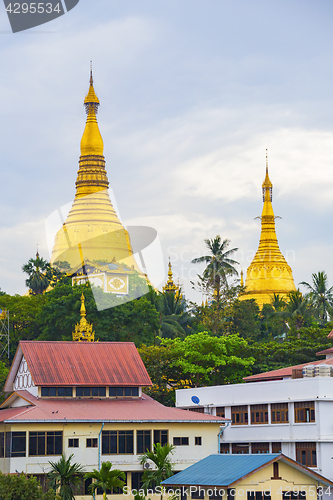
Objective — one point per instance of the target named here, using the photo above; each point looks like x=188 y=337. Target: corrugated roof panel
x=85 y=363
x=286 y=372
x=219 y=470
x=142 y=409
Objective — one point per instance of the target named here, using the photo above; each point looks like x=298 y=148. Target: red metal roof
x=142 y=409
x=284 y=372
x=326 y=351
x=330 y=335
x=81 y=363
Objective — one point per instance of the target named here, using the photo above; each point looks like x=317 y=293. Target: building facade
x=287 y=410
x=86 y=398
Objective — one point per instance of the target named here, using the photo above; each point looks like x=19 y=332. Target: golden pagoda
x=170 y=285
x=92 y=234
x=268 y=272
x=83 y=330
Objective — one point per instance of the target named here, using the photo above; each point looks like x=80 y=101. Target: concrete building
x=86 y=398
x=287 y=410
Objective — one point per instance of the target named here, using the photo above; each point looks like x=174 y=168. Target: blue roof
x=220 y=470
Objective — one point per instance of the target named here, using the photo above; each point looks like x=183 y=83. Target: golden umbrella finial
x=83 y=330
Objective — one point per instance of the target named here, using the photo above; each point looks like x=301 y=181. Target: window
x=15 y=444
x=306 y=454
x=240 y=448
x=305 y=411
x=259 y=414
x=73 y=443
x=45 y=443
x=57 y=392
x=143 y=441
x=137 y=480
x=198 y=441
x=215 y=494
x=91 y=392
x=199 y=494
x=224 y=448
x=87 y=483
x=118 y=392
x=161 y=437
x=180 y=441
x=276 y=448
x=239 y=415
x=117 y=442
x=275 y=471
x=258 y=495
x=2 y=444
x=91 y=443
x=198 y=410
x=279 y=413
x=220 y=411
x=260 y=448
x=292 y=495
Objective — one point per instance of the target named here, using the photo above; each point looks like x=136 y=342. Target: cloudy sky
x=192 y=93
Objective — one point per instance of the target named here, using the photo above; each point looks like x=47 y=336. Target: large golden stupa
x=268 y=272
x=92 y=237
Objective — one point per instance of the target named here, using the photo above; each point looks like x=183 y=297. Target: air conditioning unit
x=149 y=465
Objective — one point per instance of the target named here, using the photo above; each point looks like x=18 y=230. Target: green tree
x=161 y=458
x=136 y=321
x=158 y=360
x=204 y=359
x=297 y=309
x=40 y=274
x=23 y=317
x=64 y=476
x=219 y=264
x=175 y=320
x=106 y=479
x=320 y=295
x=22 y=487
x=274 y=355
x=243 y=317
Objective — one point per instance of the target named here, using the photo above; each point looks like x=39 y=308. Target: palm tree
x=220 y=265
x=106 y=479
x=320 y=295
x=64 y=476
x=40 y=274
x=278 y=302
x=175 y=320
x=297 y=308
x=160 y=457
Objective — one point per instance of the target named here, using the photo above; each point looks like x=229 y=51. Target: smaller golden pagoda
x=170 y=285
x=83 y=330
x=268 y=272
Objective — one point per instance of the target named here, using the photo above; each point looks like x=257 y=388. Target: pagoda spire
x=170 y=286
x=91 y=176
x=83 y=330
x=268 y=272
x=92 y=231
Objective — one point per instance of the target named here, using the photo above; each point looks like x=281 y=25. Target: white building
x=288 y=410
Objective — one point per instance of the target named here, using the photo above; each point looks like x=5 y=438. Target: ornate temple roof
x=268 y=272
